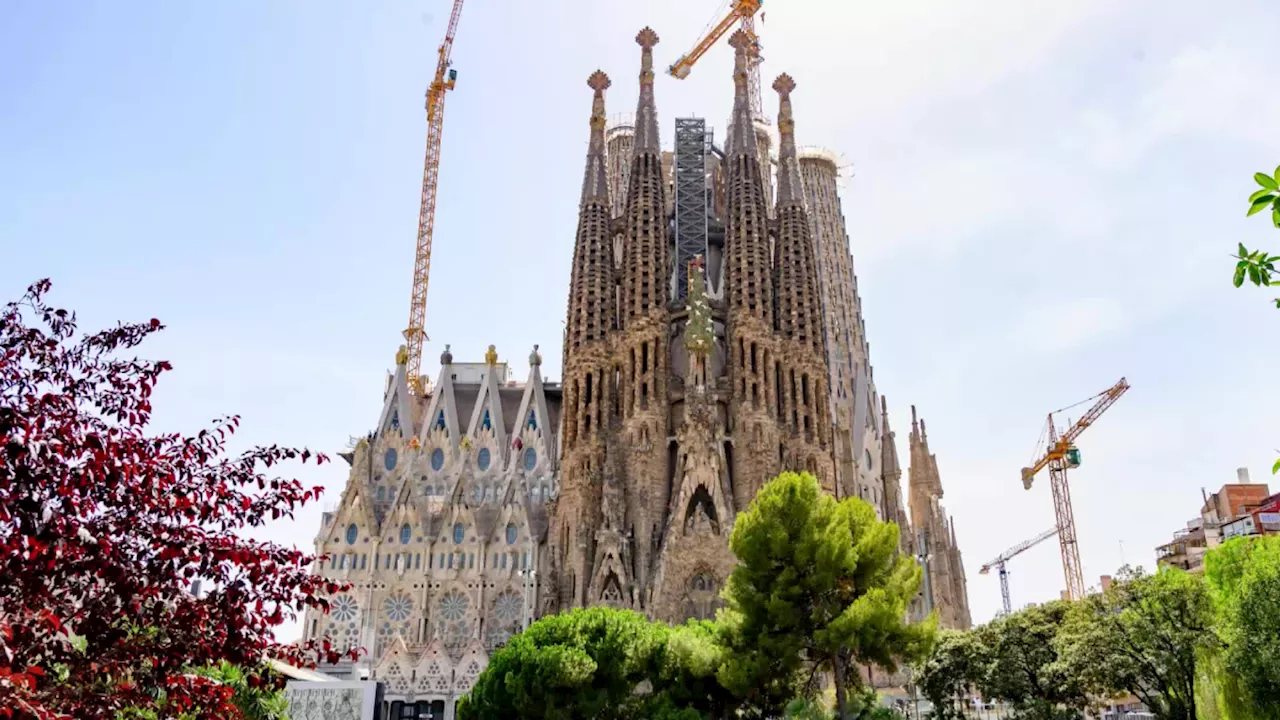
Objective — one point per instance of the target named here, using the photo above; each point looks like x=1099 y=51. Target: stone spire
x=646 y=138
x=790 y=189
x=748 y=275
x=645 y=251
x=591 y=296
x=799 y=314
x=741 y=130
x=595 y=181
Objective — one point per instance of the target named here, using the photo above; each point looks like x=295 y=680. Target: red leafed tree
x=103 y=528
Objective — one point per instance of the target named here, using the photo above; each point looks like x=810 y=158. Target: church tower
x=588 y=371
x=929 y=517
x=642 y=362
x=802 y=407
x=755 y=371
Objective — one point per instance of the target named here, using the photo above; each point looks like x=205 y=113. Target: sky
x=1041 y=197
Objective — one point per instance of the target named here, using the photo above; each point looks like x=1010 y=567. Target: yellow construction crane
x=742 y=12
x=1060 y=454
x=444 y=81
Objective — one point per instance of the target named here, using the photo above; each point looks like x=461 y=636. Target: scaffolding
x=693 y=142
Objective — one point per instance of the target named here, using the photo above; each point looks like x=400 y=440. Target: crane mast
x=444 y=80
x=1001 y=562
x=1060 y=455
x=743 y=13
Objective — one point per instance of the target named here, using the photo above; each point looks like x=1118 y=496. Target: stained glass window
x=458 y=532
x=389 y=459
x=484 y=424
x=511 y=533
x=437 y=459
x=530 y=459
x=482 y=459
x=440 y=420
x=533 y=420
x=405 y=534
x=352 y=532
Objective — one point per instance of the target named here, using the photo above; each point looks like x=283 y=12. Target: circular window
x=511 y=534
x=389 y=459
x=458 y=532
x=482 y=459
x=405 y=533
x=352 y=532
x=437 y=459
x=530 y=458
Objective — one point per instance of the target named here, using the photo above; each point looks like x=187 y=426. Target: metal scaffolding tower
x=693 y=142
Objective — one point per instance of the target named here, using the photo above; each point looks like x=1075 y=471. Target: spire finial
x=595 y=185
x=402 y=356
x=491 y=356
x=535 y=359
x=646 y=134
x=742 y=134
x=788 y=166
x=647 y=38
x=446 y=357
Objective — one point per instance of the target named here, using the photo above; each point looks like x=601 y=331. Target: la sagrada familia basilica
x=714 y=338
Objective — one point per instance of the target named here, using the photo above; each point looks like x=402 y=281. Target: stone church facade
x=486 y=502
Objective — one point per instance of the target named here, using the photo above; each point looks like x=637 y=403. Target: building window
x=511 y=533
x=482 y=459
x=530 y=459
x=458 y=532
x=352 y=532
x=405 y=534
x=869 y=463
x=389 y=459
x=437 y=459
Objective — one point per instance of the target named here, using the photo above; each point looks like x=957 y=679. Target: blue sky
x=1043 y=198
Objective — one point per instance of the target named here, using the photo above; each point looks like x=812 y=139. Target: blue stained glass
x=389 y=459
x=352 y=532
x=458 y=532
x=437 y=459
x=530 y=458
x=485 y=423
x=440 y=420
x=395 y=419
x=405 y=534
x=533 y=420
x=511 y=534
x=482 y=460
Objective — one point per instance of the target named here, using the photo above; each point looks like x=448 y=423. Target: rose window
x=344 y=608
x=398 y=607
x=454 y=606
x=508 y=608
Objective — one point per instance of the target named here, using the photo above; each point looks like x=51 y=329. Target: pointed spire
x=789 y=188
x=915 y=424
x=595 y=181
x=646 y=137
x=742 y=130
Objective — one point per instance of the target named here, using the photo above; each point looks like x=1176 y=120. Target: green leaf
x=1276 y=468
x=1238 y=280
x=1260 y=194
x=1259 y=205
x=1277 y=175
x=1266 y=181
x=1275 y=215
x=79 y=642
x=1243 y=252
x=1253 y=275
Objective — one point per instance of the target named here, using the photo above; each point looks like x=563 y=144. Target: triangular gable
x=395 y=669
x=397 y=413
x=487 y=417
x=442 y=414
x=435 y=670
x=469 y=667
x=356 y=507
x=533 y=424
